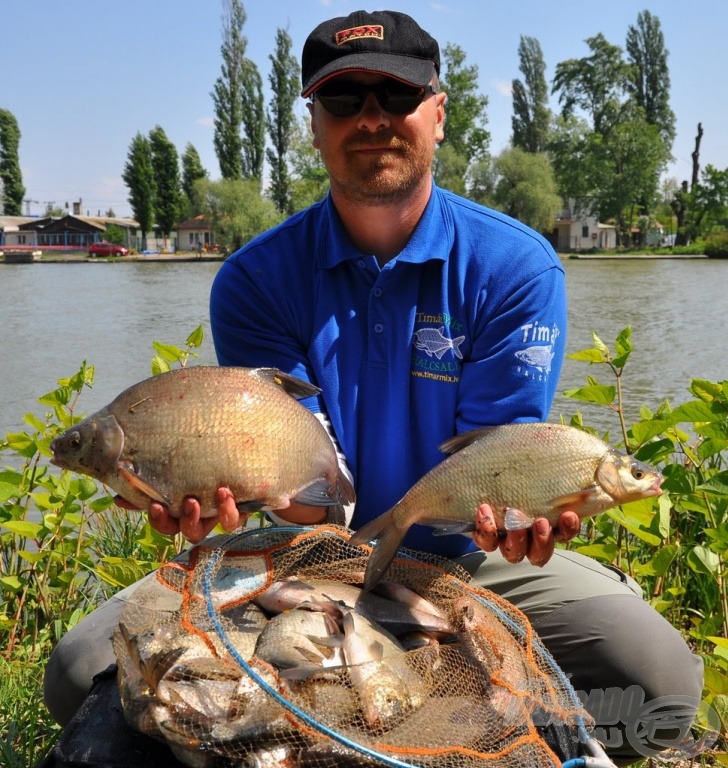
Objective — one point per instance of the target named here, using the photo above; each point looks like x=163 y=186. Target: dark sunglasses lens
x=344 y=99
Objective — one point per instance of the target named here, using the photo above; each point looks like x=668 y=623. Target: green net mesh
x=261 y=649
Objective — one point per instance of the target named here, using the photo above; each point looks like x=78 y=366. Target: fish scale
x=523 y=471
x=190 y=431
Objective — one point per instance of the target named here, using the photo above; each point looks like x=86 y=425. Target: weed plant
x=65 y=546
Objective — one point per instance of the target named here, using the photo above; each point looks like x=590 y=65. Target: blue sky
x=83 y=76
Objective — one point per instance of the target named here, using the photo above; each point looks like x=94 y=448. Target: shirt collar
x=431 y=240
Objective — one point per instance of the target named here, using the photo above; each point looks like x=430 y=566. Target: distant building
x=75 y=231
x=194 y=233
x=10 y=233
x=577 y=230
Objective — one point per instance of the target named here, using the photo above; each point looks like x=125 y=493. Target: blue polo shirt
x=464 y=328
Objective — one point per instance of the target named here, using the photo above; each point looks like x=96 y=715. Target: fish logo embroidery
x=539 y=357
x=433 y=342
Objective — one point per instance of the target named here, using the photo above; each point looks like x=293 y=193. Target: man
x=414 y=310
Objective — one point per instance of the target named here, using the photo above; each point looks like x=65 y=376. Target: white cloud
x=504 y=87
x=207 y=121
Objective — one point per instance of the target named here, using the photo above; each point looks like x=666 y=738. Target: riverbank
x=183 y=256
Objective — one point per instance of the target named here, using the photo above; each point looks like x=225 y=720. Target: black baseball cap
x=389 y=42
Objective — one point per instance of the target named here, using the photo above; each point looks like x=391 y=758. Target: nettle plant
x=674 y=545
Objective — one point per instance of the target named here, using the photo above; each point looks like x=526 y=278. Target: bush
x=716 y=245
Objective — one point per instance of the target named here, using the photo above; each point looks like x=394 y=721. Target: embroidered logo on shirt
x=537 y=357
x=436 y=352
x=432 y=341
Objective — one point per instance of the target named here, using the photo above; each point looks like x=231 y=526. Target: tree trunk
x=696 y=158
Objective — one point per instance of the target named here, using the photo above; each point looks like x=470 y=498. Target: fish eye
x=74 y=440
x=638 y=473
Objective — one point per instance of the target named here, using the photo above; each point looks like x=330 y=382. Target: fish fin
x=515 y=520
x=388 y=538
x=575 y=501
x=249 y=507
x=457 y=443
x=318 y=494
x=127 y=473
x=292 y=385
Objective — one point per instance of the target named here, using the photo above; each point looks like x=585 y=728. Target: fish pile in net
x=215 y=660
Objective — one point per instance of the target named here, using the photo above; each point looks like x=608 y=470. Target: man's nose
x=372 y=117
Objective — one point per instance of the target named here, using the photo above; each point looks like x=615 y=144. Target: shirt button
x=377 y=291
x=378 y=327
x=361 y=263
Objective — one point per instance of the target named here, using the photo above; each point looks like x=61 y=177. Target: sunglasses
x=344 y=98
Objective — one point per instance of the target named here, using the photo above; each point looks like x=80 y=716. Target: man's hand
x=537 y=543
x=194 y=528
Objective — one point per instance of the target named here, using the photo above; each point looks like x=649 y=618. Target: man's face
x=376 y=156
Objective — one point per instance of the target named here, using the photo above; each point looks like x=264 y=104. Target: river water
x=53 y=316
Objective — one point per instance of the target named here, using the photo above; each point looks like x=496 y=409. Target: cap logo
x=356 y=33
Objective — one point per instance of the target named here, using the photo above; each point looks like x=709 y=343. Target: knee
x=632 y=670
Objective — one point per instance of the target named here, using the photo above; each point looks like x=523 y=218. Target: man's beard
x=384 y=182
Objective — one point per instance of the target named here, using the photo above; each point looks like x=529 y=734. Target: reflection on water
x=53 y=316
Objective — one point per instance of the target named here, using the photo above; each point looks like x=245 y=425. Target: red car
x=107 y=249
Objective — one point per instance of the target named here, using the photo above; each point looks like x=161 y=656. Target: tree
x=465 y=122
x=309 y=178
x=649 y=77
x=450 y=169
x=596 y=84
x=227 y=92
x=283 y=80
x=236 y=211
x=192 y=171
x=11 y=177
x=168 y=201
x=531 y=114
x=253 y=114
x=525 y=188
x=139 y=178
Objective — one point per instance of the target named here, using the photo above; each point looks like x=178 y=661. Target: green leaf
x=601 y=346
x=696 y=410
x=11 y=582
x=587 y=356
x=160 y=365
x=194 y=340
x=7 y=492
x=702 y=560
x=637 y=520
x=123 y=571
x=604 y=552
x=168 y=351
x=23 y=528
x=599 y=395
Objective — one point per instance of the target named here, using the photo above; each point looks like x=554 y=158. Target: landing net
x=261 y=649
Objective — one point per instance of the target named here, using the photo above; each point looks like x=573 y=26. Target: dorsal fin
x=457 y=443
x=294 y=386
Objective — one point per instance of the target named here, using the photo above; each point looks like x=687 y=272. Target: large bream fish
x=524 y=471
x=192 y=430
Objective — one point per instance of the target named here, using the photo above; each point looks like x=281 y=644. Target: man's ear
x=440 y=117
x=312 y=113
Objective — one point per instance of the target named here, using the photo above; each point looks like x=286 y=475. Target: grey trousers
x=633 y=671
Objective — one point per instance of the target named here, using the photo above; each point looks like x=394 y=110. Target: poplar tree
x=227 y=92
x=531 y=114
x=168 y=192
x=11 y=176
x=192 y=172
x=253 y=125
x=650 y=76
x=283 y=78
x=138 y=176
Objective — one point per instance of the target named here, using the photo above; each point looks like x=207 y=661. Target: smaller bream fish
x=524 y=471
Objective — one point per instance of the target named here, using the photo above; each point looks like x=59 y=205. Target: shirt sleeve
x=518 y=349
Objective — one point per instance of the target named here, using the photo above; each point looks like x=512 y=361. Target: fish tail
x=388 y=538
